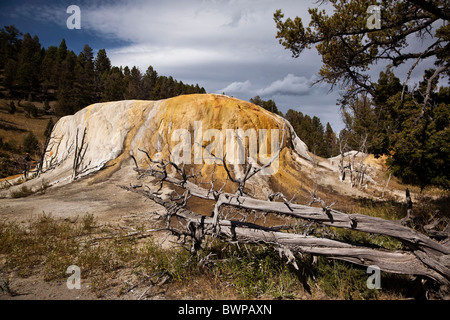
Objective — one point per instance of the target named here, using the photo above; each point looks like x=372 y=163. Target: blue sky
x=223 y=45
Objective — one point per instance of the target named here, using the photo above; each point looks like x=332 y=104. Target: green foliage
x=102 y=63
x=344 y=281
x=422 y=148
x=30 y=109
x=30 y=143
x=311 y=131
x=57 y=73
x=410 y=127
x=50 y=245
x=415 y=138
x=359 y=47
x=269 y=105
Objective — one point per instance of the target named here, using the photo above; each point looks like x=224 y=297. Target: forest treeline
x=407 y=121
x=322 y=141
x=391 y=120
x=34 y=73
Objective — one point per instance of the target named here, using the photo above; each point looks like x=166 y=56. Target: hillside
x=117 y=132
x=14 y=128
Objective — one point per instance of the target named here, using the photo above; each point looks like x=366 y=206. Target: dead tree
x=421 y=256
x=356 y=169
x=80 y=152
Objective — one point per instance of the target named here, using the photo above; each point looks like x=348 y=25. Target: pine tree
x=49 y=72
x=29 y=65
x=114 y=86
x=62 y=51
x=421 y=149
x=331 y=141
x=269 y=105
x=30 y=143
x=360 y=120
x=294 y=118
x=84 y=79
x=67 y=101
x=102 y=66
x=149 y=81
x=9 y=44
x=133 y=80
x=102 y=63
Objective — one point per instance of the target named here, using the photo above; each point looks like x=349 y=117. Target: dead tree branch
x=80 y=152
x=422 y=255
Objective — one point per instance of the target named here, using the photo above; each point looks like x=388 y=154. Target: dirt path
x=106 y=201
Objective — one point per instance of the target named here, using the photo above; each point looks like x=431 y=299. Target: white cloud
x=223 y=45
x=289 y=85
x=237 y=87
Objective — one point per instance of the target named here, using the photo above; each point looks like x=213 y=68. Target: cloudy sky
x=223 y=45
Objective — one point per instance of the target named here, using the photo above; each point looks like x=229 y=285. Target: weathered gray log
x=424 y=256
x=402 y=262
x=329 y=217
x=390 y=261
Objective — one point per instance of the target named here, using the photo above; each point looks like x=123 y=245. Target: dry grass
x=107 y=255
x=20 y=124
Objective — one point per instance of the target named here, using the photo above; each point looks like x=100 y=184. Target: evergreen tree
x=331 y=141
x=149 y=81
x=76 y=81
x=269 y=105
x=294 y=118
x=49 y=72
x=10 y=44
x=62 y=51
x=114 y=87
x=67 y=101
x=29 y=65
x=360 y=121
x=10 y=75
x=102 y=63
x=421 y=142
x=30 y=143
x=84 y=79
x=133 y=81
x=102 y=66
x=415 y=138
x=349 y=47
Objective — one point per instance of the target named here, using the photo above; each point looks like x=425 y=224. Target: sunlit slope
x=189 y=129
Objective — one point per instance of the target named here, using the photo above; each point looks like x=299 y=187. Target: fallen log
x=423 y=256
x=400 y=262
